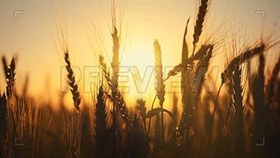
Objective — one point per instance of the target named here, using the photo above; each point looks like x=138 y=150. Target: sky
x=30 y=29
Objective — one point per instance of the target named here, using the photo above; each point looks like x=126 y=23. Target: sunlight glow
x=141 y=56
x=138 y=60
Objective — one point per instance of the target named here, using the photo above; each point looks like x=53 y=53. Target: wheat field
x=239 y=118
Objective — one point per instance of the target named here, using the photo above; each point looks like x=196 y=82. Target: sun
x=137 y=65
x=140 y=56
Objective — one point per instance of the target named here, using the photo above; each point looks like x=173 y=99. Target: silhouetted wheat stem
x=258 y=86
x=13 y=128
x=119 y=104
x=237 y=61
x=228 y=73
x=32 y=123
x=138 y=139
x=22 y=116
x=184 y=82
x=150 y=119
x=238 y=131
x=142 y=111
x=3 y=126
x=160 y=87
x=116 y=97
x=72 y=133
x=72 y=125
x=190 y=99
x=100 y=122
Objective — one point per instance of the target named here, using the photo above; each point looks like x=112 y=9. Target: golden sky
x=30 y=28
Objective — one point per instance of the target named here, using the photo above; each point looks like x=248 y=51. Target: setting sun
x=139 y=55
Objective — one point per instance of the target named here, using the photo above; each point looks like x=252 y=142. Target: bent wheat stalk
x=186 y=63
x=247 y=55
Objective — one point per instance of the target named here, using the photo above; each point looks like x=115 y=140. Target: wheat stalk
x=72 y=133
x=160 y=87
x=100 y=121
x=260 y=109
x=32 y=119
x=239 y=116
x=3 y=125
x=189 y=99
x=12 y=109
x=72 y=125
x=237 y=61
x=116 y=96
x=141 y=107
x=185 y=86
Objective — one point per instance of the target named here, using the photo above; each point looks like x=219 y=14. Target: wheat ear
x=199 y=22
x=115 y=63
x=72 y=82
x=10 y=75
